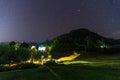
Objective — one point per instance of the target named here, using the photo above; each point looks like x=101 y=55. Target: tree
x=7 y=54
x=10 y=55
x=35 y=54
x=3 y=52
x=23 y=54
x=24 y=45
x=90 y=44
x=12 y=43
x=100 y=43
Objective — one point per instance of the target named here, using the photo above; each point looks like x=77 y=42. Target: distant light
x=102 y=46
x=78 y=10
x=41 y=48
x=33 y=47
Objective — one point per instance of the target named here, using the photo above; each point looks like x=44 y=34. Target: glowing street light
x=33 y=47
x=41 y=48
x=101 y=46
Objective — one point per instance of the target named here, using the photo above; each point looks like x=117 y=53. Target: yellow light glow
x=33 y=61
x=9 y=65
x=33 y=47
x=68 y=58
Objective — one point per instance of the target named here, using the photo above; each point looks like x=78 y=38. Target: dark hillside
x=79 y=40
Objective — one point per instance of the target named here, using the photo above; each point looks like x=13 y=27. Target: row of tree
x=16 y=53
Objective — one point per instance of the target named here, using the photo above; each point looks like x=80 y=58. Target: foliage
x=35 y=54
x=7 y=54
x=23 y=54
x=100 y=43
x=12 y=53
x=12 y=43
x=25 y=45
x=3 y=53
x=78 y=40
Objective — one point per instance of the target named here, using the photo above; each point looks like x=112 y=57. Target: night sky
x=40 y=20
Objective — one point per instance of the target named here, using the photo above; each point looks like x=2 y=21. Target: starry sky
x=40 y=20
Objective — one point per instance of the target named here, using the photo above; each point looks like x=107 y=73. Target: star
x=78 y=10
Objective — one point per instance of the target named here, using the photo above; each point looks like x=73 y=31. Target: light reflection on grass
x=113 y=64
x=76 y=62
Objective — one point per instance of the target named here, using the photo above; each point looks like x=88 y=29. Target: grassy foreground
x=79 y=71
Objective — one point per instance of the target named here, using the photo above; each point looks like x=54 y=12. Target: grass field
x=75 y=70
